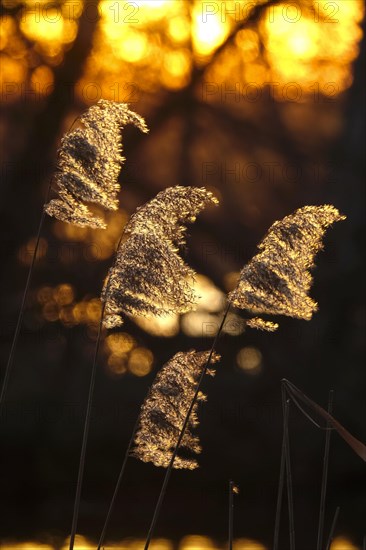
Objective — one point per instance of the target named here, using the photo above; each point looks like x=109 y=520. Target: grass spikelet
x=149 y=277
x=164 y=410
x=89 y=162
x=277 y=280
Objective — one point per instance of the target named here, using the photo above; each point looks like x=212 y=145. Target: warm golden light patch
x=140 y=361
x=117 y=363
x=312 y=48
x=196 y=542
x=132 y=47
x=210 y=298
x=12 y=76
x=200 y=324
x=50 y=311
x=247 y=544
x=63 y=294
x=231 y=280
x=249 y=359
x=42 y=80
x=81 y=543
x=209 y=30
x=42 y=28
x=248 y=42
x=179 y=29
x=164 y=326
x=26 y=252
x=28 y=546
x=7 y=30
x=342 y=543
x=120 y=343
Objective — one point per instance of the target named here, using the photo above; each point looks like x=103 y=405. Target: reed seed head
x=277 y=280
x=89 y=162
x=164 y=411
x=149 y=277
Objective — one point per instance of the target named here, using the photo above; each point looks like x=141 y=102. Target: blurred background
x=262 y=102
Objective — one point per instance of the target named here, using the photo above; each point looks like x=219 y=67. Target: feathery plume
x=261 y=324
x=277 y=280
x=163 y=413
x=89 y=163
x=149 y=277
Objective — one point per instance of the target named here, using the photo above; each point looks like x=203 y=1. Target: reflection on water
x=190 y=542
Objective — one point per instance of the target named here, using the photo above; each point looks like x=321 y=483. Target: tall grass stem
x=332 y=529
x=9 y=365
x=119 y=480
x=181 y=435
x=323 y=493
x=290 y=499
x=231 y=514
x=88 y=413
x=10 y=362
x=281 y=484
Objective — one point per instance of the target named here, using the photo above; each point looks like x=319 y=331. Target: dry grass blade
x=89 y=162
x=358 y=447
x=277 y=280
x=149 y=277
x=163 y=412
x=323 y=492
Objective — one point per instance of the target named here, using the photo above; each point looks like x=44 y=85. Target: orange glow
x=28 y=546
x=140 y=361
x=249 y=359
x=42 y=80
x=119 y=343
x=341 y=543
x=63 y=294
x=315 y=47
x=190 y=542
x=118 y=363
x=247 y=544
x=209 y=30
x=156 y=43
x=81 y=543
x=210 y=298
x=176 y=69
x=49 y=30
x=196 y=542
x=164 y=326
x=7 y=30
x=26 y=251
x=12 y=75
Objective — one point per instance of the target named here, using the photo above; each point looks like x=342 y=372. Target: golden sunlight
x=342 y=543
x=189 y=542
x=249 y=359
x=209 y=30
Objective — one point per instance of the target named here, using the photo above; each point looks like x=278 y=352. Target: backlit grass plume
x=149 y=277
x=163 y=413
x=277 y=280
x=89 y=163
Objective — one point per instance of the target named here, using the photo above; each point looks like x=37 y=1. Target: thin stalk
x=323 y=493
x=281 y=483
x=85 y=434
x=88 y=416
x=9 y=365
x=181 y=435
x=231 y=514
x=290 y=500
x=119 y=480
x=332 y=529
